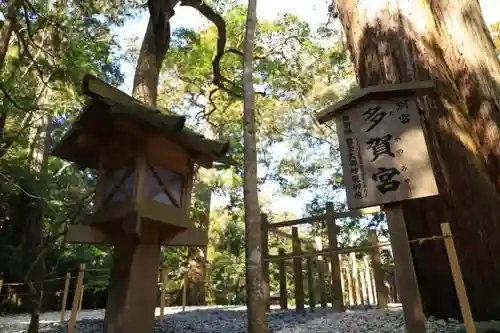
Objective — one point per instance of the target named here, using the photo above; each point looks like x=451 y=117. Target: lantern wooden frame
x=133 y=148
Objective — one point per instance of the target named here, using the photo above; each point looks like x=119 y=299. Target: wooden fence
x=314 y=259
x=76 y=303
x=367 y=289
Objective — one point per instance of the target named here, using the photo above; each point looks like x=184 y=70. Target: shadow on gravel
x=207 y=321
x=234 y=320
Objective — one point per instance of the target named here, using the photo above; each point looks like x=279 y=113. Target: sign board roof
x=378 y=92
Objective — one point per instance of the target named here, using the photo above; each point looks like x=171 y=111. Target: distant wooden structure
x=145 y=162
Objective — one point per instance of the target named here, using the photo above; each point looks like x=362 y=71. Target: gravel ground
x=233 y=320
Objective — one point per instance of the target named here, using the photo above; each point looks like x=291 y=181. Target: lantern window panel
x=164 y=186
x=118 y=184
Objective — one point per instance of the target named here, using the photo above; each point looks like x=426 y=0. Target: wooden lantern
x=145 y=162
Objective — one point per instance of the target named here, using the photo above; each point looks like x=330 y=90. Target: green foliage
x=297 y=71
x=50 y=52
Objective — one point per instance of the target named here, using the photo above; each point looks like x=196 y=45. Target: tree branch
x=218 y=79
x=30 y=32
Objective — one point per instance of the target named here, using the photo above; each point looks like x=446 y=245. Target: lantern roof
x=106 y=104
x=377 y=92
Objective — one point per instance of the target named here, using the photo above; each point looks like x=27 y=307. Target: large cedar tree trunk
x=446 y=42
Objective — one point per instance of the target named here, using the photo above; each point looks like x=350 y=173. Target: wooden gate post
x=283 y=287
x=337 y=297
x=265 y=264
x=378 y=272
x=297 y=271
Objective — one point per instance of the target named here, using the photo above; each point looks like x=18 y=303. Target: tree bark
x=197 y=257
x=31 y=209
x=12 y=12
x=257 y=319
x=448 y=43
x=153 y=51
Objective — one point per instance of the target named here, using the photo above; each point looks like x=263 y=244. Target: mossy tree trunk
x=446 y=42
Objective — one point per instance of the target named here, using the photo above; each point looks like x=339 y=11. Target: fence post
x=184 y=288
x=283 y=287
x=265 y=264
x=76 y=298
x=350 y=288
x=368 y=281
x=297 y=271
x=321 y=282
x=458 y=279
x=163 y=281
x=332 y=228
x=1 y=283
x=81 y=299
x=355 y=279
x=378 y=272
x=65 y=296
x=364 y=288
x=318 y=244
x=343 y=279
x=374 y=288
x=310 y=282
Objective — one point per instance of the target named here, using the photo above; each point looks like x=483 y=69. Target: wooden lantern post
x=385 y=161
x=144 y=161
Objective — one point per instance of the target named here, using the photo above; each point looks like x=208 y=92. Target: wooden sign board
x=384 y=154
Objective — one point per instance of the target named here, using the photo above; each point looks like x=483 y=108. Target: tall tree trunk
x=153 y=50
x=449 y=43
x=198 y=257
x=12 y=11
x=31 y=211
x=257 y=319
